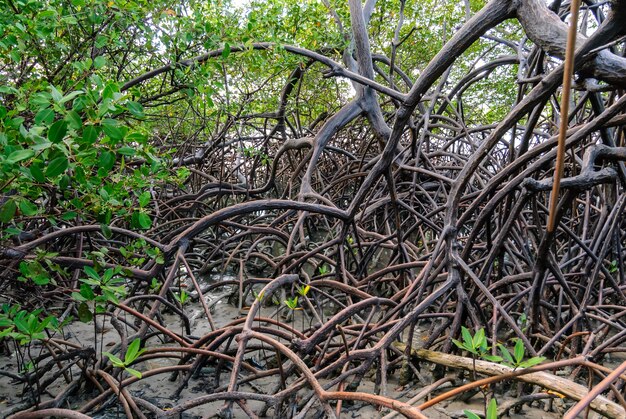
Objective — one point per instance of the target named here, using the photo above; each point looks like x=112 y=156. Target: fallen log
x=544 y=379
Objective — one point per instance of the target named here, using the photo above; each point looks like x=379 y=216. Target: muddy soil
x=159 y=390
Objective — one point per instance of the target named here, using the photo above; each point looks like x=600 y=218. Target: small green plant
x=132 y=353
x=96 y=292
x=303 y=290
x=182 y=297
x=101 y=289
x=323 y=270
x=259 y=296
x=613 y=267
x=492 y=411
x=155 y=286
x=24 y=327
x=517 y=359
x=350 y=241
x=292 y=303
x=476 y=345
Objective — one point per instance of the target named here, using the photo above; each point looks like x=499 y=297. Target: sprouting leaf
x=304 y=290
x=292 y=303
x=492 y=358
x=133 y=351
x=114 y=360
x=519 y=351
x=506 y=354
x=458 y=344
x=467 y=337
x=479 y=338
x=532 y=362
x=492 y=410
x=133 y=372
x=471 y=415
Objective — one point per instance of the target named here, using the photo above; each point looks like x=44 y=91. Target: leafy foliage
x=132 y=353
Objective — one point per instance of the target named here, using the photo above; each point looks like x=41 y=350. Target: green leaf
x=64 y=182
x=135 y=109
x=74 y=120
x=479 y=338
x=133 y=372
x=87 y=292
x=84 y=313
x=37 y=173
x=506 y=354
x=70 y=215
x=518 y=351
x=90 y=134
x=28 y=208
x=114 y=360
x=57 y=166
x=532 y=362
x=70 y=96
x=144 y=220
x=492 y=358
x=92 y=273
x=56 y=95
x=7 y=211
x=106 y=231
x=226 y=50
x=144 y=199
x=112 y=130
x=127 y=151
x=133 y=351
x=20 y=155
x=107 y=160
x=41 y=279
x=458 y=344
x=471 y=415
x=99 y=62
x=57 y=131
x=44 y=116
x=492 y=410
x=467 y=337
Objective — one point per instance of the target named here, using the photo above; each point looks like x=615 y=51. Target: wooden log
x=549 y=381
